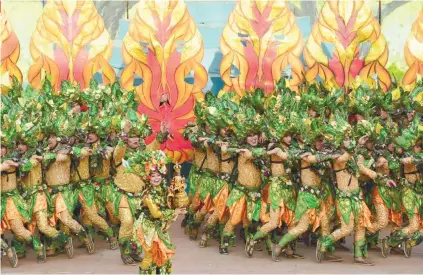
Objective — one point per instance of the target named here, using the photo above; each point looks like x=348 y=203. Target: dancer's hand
x=8 y=164
x=127 y=126
x=38 y=158
x=305 y=155
x=76 y=109
x=391 y=183
x=406 y=160
x=363 y=140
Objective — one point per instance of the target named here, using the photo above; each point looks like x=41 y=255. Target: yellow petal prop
x=413 y=53
x=70 y=43
x=260 y=44
x=164 y=48
x=10 y=50
x=346 y=42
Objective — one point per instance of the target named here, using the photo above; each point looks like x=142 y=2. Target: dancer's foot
x=294 y=255
x=203 y=242
x=89 y=244
x=319 y=252
x=276 y=251
x=127 y=260
x=193 y=234
x=223 y=250
x=332 y=258
x=386 y=249
x=12 y=257
x=41 y=257
x=69 y=248
x=406 y=245
x=249 y=247
x=114 y=244
x=362 y=261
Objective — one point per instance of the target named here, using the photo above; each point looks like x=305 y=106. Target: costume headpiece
x=338 y=129
x=145 y=162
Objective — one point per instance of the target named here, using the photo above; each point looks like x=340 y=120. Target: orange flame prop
x=260 y=40
x=163 y=47
x=10 y=51
x=413 y=52
x=359 y=47
x=70 y=43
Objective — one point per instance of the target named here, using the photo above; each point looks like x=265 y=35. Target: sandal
x=386 y=249
x=362 y=261
x=12 y=257
x=275 y=254
x=319 y=252
x=69 y=248
x=249 y=247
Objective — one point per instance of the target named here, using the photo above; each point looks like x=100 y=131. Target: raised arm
x=364 y=170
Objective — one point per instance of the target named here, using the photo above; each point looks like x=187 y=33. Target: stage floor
x=192 y=259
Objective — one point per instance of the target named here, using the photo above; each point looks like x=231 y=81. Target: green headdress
x=70 y=93
x=200 y=108
x=366 y=127
x=220 y=116
x=411 y=135
x=29 y=117
x=28 y=132
x=255 y=99
x=382 y=100
x=60 y=123
x=248 y=121
x=282 y=115
x=359 y=101
x=335 y=101
x=281 y=126
x=386 y=134
x=400 y=101
x=139 y=126
x=312 y=129
x=145 y=162
x=313 y=98
x=15 y=91
x=416 y=99
x=8 y=129
x=338 y=129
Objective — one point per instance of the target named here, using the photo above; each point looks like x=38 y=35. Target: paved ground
x=192 y=259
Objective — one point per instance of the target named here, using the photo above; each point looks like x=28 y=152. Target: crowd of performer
x=73 y=163
x=321 y=163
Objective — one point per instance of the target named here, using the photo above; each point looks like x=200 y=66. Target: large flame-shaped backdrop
x=10 y=51
x=70 y=43
x=260 y=44
x=164 y=48
x=413 y=52
x=346 y=42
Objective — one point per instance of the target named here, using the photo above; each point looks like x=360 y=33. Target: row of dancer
x=323 y=161
x=73 y=163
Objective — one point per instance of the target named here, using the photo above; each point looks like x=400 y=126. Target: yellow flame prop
x=260 y=40
x=70 y=43
x=413 y=52
x=10 y=51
